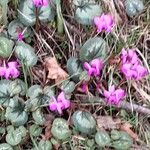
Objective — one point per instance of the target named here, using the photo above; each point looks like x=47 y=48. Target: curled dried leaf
x=54 y=70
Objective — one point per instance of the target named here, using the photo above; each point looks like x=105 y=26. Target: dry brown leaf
x=127 y=128
x=107 y=122
x=54 y=70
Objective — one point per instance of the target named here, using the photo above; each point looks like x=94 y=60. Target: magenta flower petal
x=97 y=64
x=61 y=98
x=114 y=96
x=39 y=3
x=104 y=22
x=2 y=71
x=91 y=71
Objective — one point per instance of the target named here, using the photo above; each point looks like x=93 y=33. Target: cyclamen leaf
x=3 y=13
x=16 y=113
x=6 y=47
x=16 y=27
x=35 y=130
x=94 y=48
x=45 y=145
x=15 y=136
x=26 y=53
x=5 y=146
x=38 y=116
x=86 y=11
x=27 y=13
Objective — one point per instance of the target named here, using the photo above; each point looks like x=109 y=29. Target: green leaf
x=35 y=130
x=4 y=92
x=102 y=138
x=26 y=53
x=15 y=136
x=38 y=96
x=68 y=86
x=6 y=47
x=94 y=48
x=45 y=145
x=74 y=68
x=84 y=122
x=15 y=112
x=16 y=27
x=133 y=7
x=17 y=87
x=27 y=13
x=124 y=142
x=60 y=129
x=38 y=116
x=86 y=11
x=5 y=146
x=3 y=11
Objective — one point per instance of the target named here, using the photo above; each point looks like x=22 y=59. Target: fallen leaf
x=107 y=122
x=54 y=70
x=127 y=128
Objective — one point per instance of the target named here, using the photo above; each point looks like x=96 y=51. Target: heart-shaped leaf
x=15 y=136
x=38 y=96
x=26 y=53
x=35 y=130
x=45 y=145
x=16 y=113
x=15 y=27
x=17 y=87
x=86 y=11
x=74 y=68
x=5 y=146
x=6 y=47
x=27 y=12
x=84 y=122
x=133 y=7
x=60 y=129
x=4 y=92
x=68 y=86
x=38 y=116
x=94 y=48
x=3 y=11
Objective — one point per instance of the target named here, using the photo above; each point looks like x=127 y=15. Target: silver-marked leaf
x=94 y=48
x=17 y=87
x=60 y=129
x=45 y=145
x=35 y=130
x=16 y=27
x=27 y=13
x=68 y=86
x=4 y=92
x=5 y=146
x=6 y=47
x=38 y=116
x=74 y=68
x=26 y=53
x=86 y=11
x=133 y=7
x=16 y=113
x=15 y=136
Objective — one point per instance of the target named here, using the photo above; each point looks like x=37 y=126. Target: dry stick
x=124 y=105
x=134 y=107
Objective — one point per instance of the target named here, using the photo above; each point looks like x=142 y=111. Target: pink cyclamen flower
x=10 y=70
x=103 y=22
x=60 y=103
x=39 y=3
x=114 y=96
x=20 y=36
x=131 y=65
x=94 y=67
x=84 y=87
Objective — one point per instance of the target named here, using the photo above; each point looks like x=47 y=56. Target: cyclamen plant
x=94 y=67
x=114 y=96
x=60 y=103
x=104 y=22
x=9 y=70
x=131 y=65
